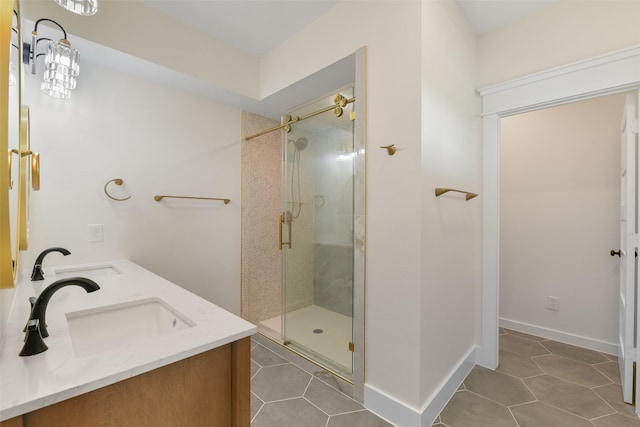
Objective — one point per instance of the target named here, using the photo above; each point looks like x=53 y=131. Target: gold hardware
x=352 y=347
x=35 y=171
x=285 y=218
x=35 y=166
x=286 y=126
x=23 y=191
x=352 y=115
x=287 y=119
x=391 y=149
x=159 y=197
x=341 y=102
x=468 y=196
x=10 y=158
x=116 y=181
x=338 y=111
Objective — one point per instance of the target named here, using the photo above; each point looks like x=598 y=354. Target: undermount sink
x=105 y=328
x=91 y=272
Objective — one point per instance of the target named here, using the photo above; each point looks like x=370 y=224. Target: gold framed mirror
x=11 y=182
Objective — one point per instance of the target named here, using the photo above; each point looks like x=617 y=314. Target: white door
x=628 y=246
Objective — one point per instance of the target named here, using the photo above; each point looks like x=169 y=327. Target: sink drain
x=318 y=331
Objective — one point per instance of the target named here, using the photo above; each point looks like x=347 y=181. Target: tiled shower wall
x=261 y=205
x=262 y=270
x=299 y=259
x=333 y=275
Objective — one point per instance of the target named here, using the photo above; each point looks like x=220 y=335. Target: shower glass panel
x=317 y=224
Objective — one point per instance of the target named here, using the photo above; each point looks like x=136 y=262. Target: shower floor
x=332 y=344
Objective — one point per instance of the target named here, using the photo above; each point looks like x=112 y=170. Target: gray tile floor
x=541 y=383
x=284 y=395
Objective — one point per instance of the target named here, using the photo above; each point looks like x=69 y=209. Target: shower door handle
x=285 y=217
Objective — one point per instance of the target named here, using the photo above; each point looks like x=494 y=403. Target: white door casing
x=612 y=73
x=628 y=245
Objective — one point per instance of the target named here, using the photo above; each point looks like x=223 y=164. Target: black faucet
x=36 y=326
x=36 y=273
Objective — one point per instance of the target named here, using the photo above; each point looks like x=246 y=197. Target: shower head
x=300 y=143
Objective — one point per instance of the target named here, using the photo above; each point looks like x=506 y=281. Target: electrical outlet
x=95 y=233
x=553 y=303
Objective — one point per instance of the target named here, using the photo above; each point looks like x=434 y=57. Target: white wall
x=559 y=214
x=451 y=226
x=145 y=32
x=561 y=34
x=159 y=141
x=420 y=97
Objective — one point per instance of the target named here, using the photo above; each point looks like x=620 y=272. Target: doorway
x=559 y=219
x=613 y=73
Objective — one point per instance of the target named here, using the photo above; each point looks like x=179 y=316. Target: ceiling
x=489 y=15
x=258 y=26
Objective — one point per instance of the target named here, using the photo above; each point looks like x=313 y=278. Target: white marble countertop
x=30 y=383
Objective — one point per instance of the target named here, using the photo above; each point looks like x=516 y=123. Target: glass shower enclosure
x=317 y=234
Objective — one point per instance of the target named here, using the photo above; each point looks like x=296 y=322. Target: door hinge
x=352 y=116
x=352 y=347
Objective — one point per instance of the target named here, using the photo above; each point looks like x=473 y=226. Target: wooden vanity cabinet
x=210 y=389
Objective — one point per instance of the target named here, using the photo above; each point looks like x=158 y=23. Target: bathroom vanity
x=140 y=351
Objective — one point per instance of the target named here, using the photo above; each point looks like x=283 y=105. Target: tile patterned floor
x=541 y=383
x=284 y=395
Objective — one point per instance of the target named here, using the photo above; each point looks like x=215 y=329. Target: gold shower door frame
x=317 y=229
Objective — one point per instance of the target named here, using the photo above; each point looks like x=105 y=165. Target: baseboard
x=439 y=400
x=565 y=337
x=400 y=414
x=389 y=408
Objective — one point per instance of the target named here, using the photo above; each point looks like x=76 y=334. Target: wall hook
x=391 y=149
x=117 y=181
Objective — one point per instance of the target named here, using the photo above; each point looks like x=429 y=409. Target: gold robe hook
x=391 y=149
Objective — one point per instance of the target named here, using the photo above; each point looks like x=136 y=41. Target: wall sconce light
x=81 y=7
x=60 y=61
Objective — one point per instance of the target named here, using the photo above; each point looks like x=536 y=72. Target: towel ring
x=116 y=181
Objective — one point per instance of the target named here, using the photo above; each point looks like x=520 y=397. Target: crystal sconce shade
x=55 y=89
x=81 y=7
x=61 y=69
x=60 y=61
